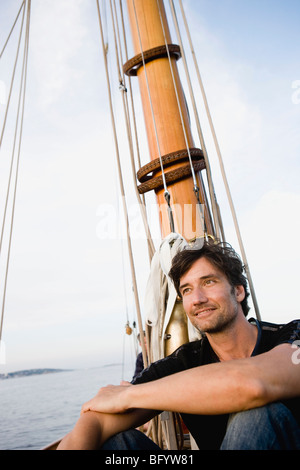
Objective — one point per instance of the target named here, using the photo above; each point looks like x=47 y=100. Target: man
x=236 y=388
x=139 y=363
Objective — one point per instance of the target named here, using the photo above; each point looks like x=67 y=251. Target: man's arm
x=93 y=429
x=218 y=388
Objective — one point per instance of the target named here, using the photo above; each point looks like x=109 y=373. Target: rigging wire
x=177 y=98
x=216 y=215
x=12 y=28
x=222 y=168
x=128 y=330
x=12 y=79
x=22 y=95
x=14 y=142
x=166 y=192
x=123 y=89
x=121 y=184
x=131 y=94
x=196 y=187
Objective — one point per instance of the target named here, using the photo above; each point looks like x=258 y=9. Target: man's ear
x=239 y=293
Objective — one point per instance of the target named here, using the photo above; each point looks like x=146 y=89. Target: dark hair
x=222 y=256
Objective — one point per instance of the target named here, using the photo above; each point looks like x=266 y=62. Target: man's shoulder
x=270 y=326
x=274 y=334
x=293 y=326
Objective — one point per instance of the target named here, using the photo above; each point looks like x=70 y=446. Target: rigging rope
x=166 y=192
x=216 y=215
x=177 y=98
x=121 y=184
x=12 y=80
x=12 y=28
x=196 y=187
x=130 y=89
x=22 y=95
x=123 y=89
x=14 y=143
x=222 y=168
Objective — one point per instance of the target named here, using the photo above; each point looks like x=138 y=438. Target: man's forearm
x=93 y=429
x=212 y=389
x=224 y=387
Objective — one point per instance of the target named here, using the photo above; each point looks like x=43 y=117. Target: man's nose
x=199 y=296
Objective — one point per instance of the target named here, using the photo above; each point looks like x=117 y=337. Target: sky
x=69 y=291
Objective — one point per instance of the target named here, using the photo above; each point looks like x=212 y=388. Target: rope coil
x=150 y=182
x=132 y=66
x=168 y=159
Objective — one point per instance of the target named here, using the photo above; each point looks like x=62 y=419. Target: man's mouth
x=203 y=311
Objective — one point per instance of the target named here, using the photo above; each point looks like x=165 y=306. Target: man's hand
x=109 y=399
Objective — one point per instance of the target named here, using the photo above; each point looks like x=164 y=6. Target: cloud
x=62 y=277
x=56 y=38
x=269 y=231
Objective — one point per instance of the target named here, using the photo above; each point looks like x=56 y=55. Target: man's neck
x=237 y=342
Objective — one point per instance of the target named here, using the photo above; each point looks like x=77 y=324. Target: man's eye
x=186 y=291
x=208 y=282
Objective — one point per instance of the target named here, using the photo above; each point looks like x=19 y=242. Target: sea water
x=37 y=410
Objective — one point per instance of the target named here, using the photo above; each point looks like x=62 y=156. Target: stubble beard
x=222 y=322
x=220 y=325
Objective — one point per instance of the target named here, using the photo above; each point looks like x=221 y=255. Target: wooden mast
x=150 y=30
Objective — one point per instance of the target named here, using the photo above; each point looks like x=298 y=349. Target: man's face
x=209 y=300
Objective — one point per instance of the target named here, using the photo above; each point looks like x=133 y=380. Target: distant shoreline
x=29 y=372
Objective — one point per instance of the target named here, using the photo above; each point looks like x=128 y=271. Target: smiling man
x=214 y=293
x=236 y=388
